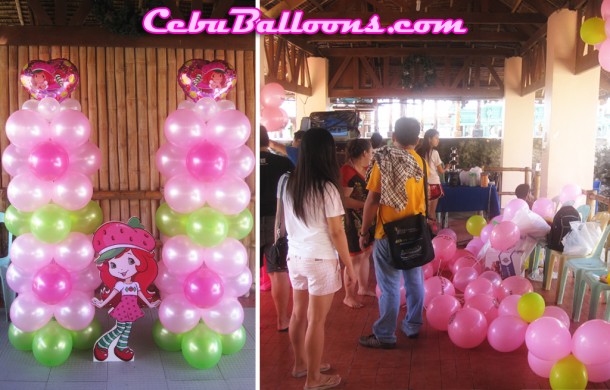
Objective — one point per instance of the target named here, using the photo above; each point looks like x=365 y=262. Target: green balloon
x=240 y=225
x=87 y=219
x=85 y=339
x=19 y=339
x=17 y=222
x=207 y=227
x=169 y=222
x=233 y=342
x=52 y=345
x=165 y=339
x=50 y=223
x=201 y=347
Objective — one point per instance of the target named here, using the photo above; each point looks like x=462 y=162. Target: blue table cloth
x=464 y=198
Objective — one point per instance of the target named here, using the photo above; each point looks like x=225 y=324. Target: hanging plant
x=418 y=72
x=124 y=20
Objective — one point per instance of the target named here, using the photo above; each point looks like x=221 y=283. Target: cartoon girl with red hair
x=127 y=268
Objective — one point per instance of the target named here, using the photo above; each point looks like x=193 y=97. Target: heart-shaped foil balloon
x=56 y=78
x=201 y=78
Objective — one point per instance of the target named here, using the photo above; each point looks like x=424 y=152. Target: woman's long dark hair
x=316 y=166
x=425 y=148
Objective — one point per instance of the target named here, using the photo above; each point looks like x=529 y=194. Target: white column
x=318 y=101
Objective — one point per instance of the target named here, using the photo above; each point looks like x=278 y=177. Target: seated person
x=523 y=192
x=292 y=152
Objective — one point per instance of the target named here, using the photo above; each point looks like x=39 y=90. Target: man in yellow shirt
x=396 y=190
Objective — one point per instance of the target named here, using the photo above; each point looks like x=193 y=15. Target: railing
x=531 y=178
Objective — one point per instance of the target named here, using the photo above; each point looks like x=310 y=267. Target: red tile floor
x=430 y=362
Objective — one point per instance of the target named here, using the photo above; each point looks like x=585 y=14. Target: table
x=465 y=198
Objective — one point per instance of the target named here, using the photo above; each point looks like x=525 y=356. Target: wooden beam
x=538 y=35
x=335 y=79
x=317 y=5
x=41 y=18
x=406 y=51
x=432 y=93
x=472 y=36
x=283 y=5
x=542 y=6
x=371 y=72
x=60 y=12
x=96 y=36
x=221 y=8
x=516 y=6
x=388 y=17
x=587 y=62
x=78 y=19
x=288 y=86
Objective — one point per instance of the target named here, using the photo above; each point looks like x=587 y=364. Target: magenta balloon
x=75 y=252
x=70 y=129
x=168 y=283
x=75 y=312
x=444 y=247
x=15 y=160
x=206 y=108
x=571 y=191
x=86 y=159
x=203 y=288
x=504 y=236
x=274 y=118
x=184 y=128
x=435 y=286
x=559 y=313
x=226 y=317
x=52 y=284
x=486 y=232
x=486 y=304
x=517 y=285
x=508 y=306
x=272 y=95
x=548 y=339
x=241 y=161
x=440 y=309
x=506 y=333
x=171 y=160
x=239 y=285
x=182 y=256
x=28 y=193
x=467 y=328
x=493 y=277
x=544 y=207
x=230 y=195
x=513 y=207
x=183 y=194
x=177 y=314
x=478 y=286
x=604 y=55
x=206 y=161
x=30 y=254
x=72 y=191
x=227 y=259
x=447 y=232
x=598 y=373
x=86 y=280
x=540 y=367
x=464 y=276
x=229 y=130
x=26 y=129
x=29 y=314
x=48 y=161
x=18 y=280
x=591 y=342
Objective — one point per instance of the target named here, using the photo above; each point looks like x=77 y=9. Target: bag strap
x=425 y=186
x=281 y=230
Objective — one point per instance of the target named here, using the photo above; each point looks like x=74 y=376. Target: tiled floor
x=153 y=369
x=430 y=362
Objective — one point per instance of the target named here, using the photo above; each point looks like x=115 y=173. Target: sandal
x=330 y=382
x=303 y=373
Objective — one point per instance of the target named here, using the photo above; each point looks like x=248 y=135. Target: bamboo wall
x=127 y=93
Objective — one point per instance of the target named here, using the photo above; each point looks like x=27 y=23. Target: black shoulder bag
x=410 y=238
x=278 y=252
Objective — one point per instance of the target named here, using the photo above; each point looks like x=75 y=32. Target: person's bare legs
x=351 y=299
x=298 y=327
x=432 y=208
x=280 y=292
x=363 y=274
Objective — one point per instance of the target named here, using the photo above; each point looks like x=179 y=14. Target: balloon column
x=204 y=267
x=50 y=160
x=273 y=117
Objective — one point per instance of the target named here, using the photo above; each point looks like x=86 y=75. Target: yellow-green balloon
x=568 y=373
x=17 y=222
x=52 y=345
x=50 y=223
x=87 y=219
x=85 y=339
x=201 y=347
x=475 y=224
x=593 y=31
x=240 y=225
x=207 y=227
x=19 y=339
x=165 y=339
x=531 y=306
x=233 y=342
x=169 y=222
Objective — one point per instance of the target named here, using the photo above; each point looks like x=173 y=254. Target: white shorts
x=319 y=276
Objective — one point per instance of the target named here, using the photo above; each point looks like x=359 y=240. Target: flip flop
x=283 y=330
x=303 y=373
x=332 y=381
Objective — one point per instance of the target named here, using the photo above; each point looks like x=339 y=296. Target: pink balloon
x=70 y=129
x=31 y=105
x=227 y=259
x=465 y=261
x=26 y=129
x=183 y=194
x=239 y=285
x=548 y=339
x=230 y=195
x=72 y=191
x=30 y=254
x=486 y=304
x=496 y=220
x=75 y=312
x=604 y=55
x=206 y=161
x=182 y=256
x=272 y=95
x=206 y=108
x=224 y=105
x=15 y=160
x=203 y=288
x=428 y=271
x=508 y=306
x=540 y=367
x=598 y=373
x=447 y=232
x=571 y=191
x=52 y=284
x=544 y=207
x=486 y=232
x=591 y=342
x=444 y=247
x=171 y=160
x=28 y=313
x=478 y=286
x=559 y=313
x=186 y=105
x=177 y=314
x=504 y=236
x=86 y=159
x=605 y=9
x=437 y=285
x=513 y=207
x=168 y=283
x=184 y=128
x=474 y=246
x=506 y=333
x=18 y=280
x=467 y=328
x=86 y=280
x=493 y=277
x=440 y=309
x=517 y=285
x=464 y=276
x=226 y=317
x=28 y=193
x=229 y=130
x=274 y=118
x=241 y=162
x=48 y=107
x=74 y=253
x=48 y=161
x=70 y=104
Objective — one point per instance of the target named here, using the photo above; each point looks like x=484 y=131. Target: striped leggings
x=121 y=331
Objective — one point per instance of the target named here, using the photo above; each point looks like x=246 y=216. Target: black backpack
x=561 y=226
